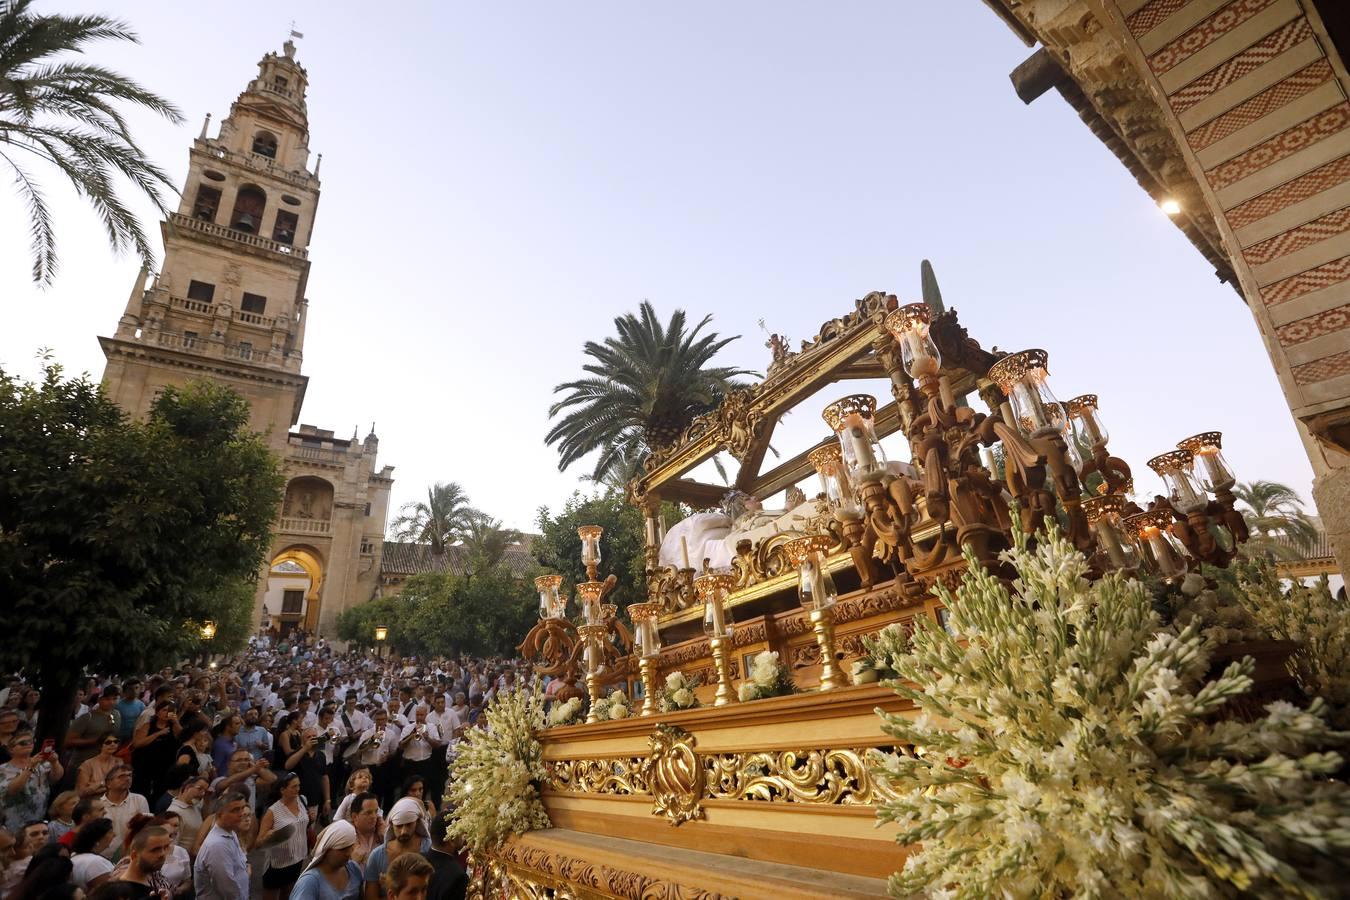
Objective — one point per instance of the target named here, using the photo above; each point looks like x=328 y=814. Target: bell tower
x=229 y=300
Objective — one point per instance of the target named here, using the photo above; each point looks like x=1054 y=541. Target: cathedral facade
x=229 y=305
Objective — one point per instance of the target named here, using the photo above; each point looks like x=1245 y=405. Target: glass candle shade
x=909 y=325
x=1208 y=466
x=1087 y=421
x=829 y=465
x=815 y=585
x=1174 y=468
x=1024 y=379
x=1074 y=447
x=1150 y=531
x=851 y=419
x=712 y=591
x=588 y=595
x=644 y=628
x=590 y=542
x=551 y=603
x=1104 y=514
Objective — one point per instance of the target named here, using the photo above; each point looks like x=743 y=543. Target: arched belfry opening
x=249 y=205
x=265 y=144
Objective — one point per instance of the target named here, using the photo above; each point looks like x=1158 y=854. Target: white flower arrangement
x=768 y=678
x=878 y=651
x=1073 y=747
x=1220 y=618
x=568 y=712
x=678 y=693
x=615 y=706
x=1315 y=619
x=494 y=780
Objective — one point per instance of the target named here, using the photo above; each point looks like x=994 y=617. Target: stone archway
x=297 y=568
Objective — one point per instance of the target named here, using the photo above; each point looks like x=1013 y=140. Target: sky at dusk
x=500 y=180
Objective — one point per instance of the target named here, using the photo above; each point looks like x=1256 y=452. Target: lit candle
x=922 y=362
x=987 y=459
x=715 y=618
x=855 y=432
x=1106 y=533
x=1215 y=473
x=945 y=392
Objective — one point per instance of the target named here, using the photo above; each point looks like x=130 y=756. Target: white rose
x=675 y=681
x=618 y=697
x=683 y=697
x=618 y=711
x=746 y=691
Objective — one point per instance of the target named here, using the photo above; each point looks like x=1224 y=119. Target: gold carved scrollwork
x=532 y=873
x=674 y=775
x=598 y=776
x=837 y=777
x=680 y=779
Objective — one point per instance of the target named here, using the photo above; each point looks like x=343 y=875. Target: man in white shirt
x=120 y=805
x=377 y=748
x=417 y=741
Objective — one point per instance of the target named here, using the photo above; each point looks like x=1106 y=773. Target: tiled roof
x=403 y=559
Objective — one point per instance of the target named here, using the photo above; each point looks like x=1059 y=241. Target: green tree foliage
x=487 y=614
x=117 y=537
x=439 y=614
x=439 y=522
x=558 y=549
x=645 y=386
x=485 y=543
x=357 y=624
x=65 y=112
x=233 y=601
x=1280 y=529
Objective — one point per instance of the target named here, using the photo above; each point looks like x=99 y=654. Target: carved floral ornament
x=679 y=779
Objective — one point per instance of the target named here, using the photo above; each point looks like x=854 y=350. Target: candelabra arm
x=725 y=694
x=647 y=670
x=822 y=623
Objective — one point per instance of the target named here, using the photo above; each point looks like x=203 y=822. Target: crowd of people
x=290 y=771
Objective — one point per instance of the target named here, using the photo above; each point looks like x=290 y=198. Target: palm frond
x=66 y=113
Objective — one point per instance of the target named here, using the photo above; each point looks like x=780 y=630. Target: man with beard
x=147 y=852
x=407 y=833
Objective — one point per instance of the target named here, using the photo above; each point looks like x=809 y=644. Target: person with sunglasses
x=26 y=782
x=92 y=779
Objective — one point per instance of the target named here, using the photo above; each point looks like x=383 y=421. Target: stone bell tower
x=229 y=301
x=229 y=306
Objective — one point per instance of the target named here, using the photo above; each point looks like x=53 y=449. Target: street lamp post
x=381 y=633
x=208 y=634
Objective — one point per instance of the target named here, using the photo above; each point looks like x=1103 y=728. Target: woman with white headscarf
x=331 y=874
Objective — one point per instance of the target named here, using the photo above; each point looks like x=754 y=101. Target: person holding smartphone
x=26 y=781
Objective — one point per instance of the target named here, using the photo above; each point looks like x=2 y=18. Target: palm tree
x=65 y=113
x=439 y=521
x=485 y=543
x=646 y=386
x=1279 y=526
